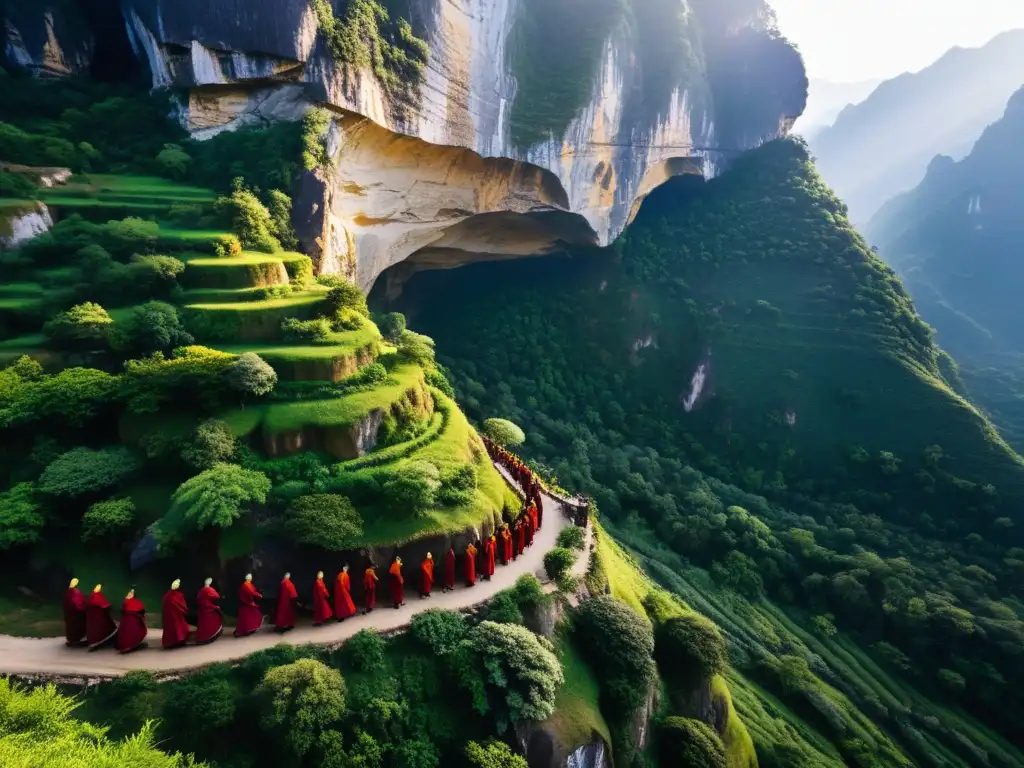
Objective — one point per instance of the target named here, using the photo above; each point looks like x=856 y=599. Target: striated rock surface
x=23 y=223
x=49 y=37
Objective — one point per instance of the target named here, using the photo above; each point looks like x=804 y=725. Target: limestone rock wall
x=48 y=37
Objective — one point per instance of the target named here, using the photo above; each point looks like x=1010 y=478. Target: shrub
x=618 y=641
x=364 y=651
x=82 y=471
x=572 y=537
x=688 y=649
x=416 y=348
x=438 y=630
x=84 y=327
x=248 y=218
x=73 y=397
x=391 y=325
x=106 y=517
x=216 y=497
x=558 y=562
x=17 y=185
x=279 y=205
x=458 y=485
x=151 y=327
x=412 y=488
x=152 y=276
x=344 y=295
x=684 y=741
x=493 y=754
x=301 y=700
x=201 y=703
x=21 y=520
x=503 y=608
x=212 y=443
x=951 y=680
x=316 y=331
x=323 y=520
x=504 y=432
x=173 y=161
x=226 y=245
x=251 y=375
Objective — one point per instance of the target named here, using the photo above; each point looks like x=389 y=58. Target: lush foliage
x=684 y=741
x=324 y=520
x=504 y=432
x=82 y=471
x=302 y=700
x=215 y=497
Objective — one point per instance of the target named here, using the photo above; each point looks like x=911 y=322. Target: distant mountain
x=957 y=240
x=826 y=99
x=882 y=146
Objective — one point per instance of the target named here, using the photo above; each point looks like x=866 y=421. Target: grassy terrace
x=107 y=190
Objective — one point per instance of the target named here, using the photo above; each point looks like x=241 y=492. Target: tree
x=504 y=432
x=279 y=205
x=619 y=642
x=391 y=325
x=251 y=375
x=106 y=517
x=212 y=443
x=509 y=671
x=416 y=348
x=216 y=497
x=151 y=327
x=824 y=625
x=493 y=754
x=84 y=328
x=248 y=218
x=38 y=728
x=21 y=520
x=201 y=703
x=82 y=471
x=173 y=161
x=558 y=562
x=739 y=572
x=301 y=701
x=689 y=649
x=572 y=537
x=324 y=520
x=74 y=396
x=412 y=488
x=344 y=295
x=683 y=741
x=439 y=631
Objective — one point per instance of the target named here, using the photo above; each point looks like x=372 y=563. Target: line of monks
x=88 y=620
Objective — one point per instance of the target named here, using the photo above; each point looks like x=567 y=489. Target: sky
x=852 y=40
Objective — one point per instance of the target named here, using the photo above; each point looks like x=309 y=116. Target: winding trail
x=52 y=658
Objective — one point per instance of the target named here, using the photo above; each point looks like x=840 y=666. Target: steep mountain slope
x=744 y=384
x=882 y=146
x=826 y=99
x=956 y=241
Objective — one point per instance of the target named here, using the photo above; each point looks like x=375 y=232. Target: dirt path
x=50 y=656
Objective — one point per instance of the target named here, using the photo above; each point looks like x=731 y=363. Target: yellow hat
x=176 y=584
x=207 y=582
x=429 y=556
x=398 y=560
x=248 y=577
x=97 y=588
x=130 y=595
x=319 y=574
x=73 y=584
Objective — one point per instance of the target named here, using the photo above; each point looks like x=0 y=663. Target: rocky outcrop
x=22 y=223
x=525 y=132
x=49 y=38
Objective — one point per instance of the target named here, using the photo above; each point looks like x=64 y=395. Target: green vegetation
x=825 y=467
x=504 y=433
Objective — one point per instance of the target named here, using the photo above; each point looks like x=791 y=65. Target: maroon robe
x=369 y=590
x=343 y=605
x=321 y=603
x=448 y=572
x=489 y=549
x=470 y=565
x=176 y=628
x=131 y=632
x=396 y=583
x=74 y=616
x=99 y=627
x=520 y=538
x=284 y=614
x=210 y=620
x=506 y=546
x=250 y=617
x=426 y=576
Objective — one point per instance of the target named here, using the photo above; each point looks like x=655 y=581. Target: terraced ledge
x=345 y=355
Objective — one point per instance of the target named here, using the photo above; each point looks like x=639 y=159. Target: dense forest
x=955 y=241
x=749 y=394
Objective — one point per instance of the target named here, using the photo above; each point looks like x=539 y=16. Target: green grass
x=9 y=290
x=739 y=747
x=577 y=710
x=20 y=303
x=145 y=193
x=296 y=299
x=340 y=343
x=627 y=582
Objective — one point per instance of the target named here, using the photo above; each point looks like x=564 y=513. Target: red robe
x=369 y=589
x=131 y=633
x=210 y=620
x=396 y=583
x=74 y=616
x=284 y=614
x=520 y=538
x=250 y=617
x=540 y=508
x=321 y=603
x=489 y=549
x=343 y=605
x=176 y=628
x=506 y=546
x=470 y=565
x=448 y=573
x=99 y=627
x=426 y=576
x=531 y=528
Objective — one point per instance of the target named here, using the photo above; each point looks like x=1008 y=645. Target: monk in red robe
x=176 y=628
x=210 y=620
x=520 y=537
x=321 y=601
x=250 y=617
x=426 y=575
x=531 y=517
x=448 y=572
x=470 y=561
x=490 y=548
x=343 y=605
x=284 y=612
x=369 y=589
x=99 y=627
x=74 y=614
x=537 y=499
x=396 y=583
x=506 y=545
x=131 y=632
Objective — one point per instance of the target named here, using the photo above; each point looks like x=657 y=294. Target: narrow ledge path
x=50 y=657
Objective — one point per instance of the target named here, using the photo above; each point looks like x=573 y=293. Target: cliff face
x=49 y=38
x=482 y=108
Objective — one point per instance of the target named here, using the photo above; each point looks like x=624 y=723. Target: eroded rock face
x=529 y=129
x=20 y=224
x=49 y=38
